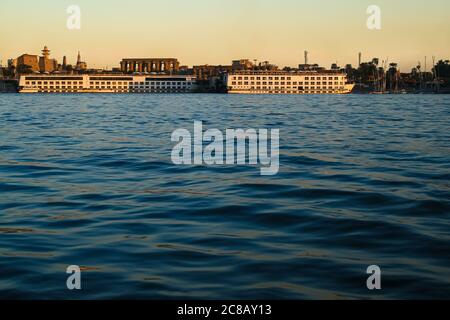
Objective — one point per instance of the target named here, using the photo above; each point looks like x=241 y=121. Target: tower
x=64 y=65
x=45 y=63
x=306 y=57
x=80 y=64
x=45 y=53
x=359 y=59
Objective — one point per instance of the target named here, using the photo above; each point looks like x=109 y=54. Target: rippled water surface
x=88 y=180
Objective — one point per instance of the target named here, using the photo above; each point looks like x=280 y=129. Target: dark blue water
x=88 y=180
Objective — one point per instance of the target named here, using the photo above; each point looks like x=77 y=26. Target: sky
x=218 y=31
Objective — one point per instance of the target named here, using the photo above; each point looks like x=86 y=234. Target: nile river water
x=88 y=180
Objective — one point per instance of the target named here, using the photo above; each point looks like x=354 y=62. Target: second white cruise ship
x=280 y=82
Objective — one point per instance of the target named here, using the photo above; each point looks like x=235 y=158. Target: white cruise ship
x=106 y=84
x=280 y=82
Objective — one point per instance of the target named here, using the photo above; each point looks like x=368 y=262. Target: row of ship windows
x=113 y=87
x=115 y=90
x=246 y=83
x=92 y=83
x=53 y=82
x=168 y=84
x=294 y=92
x=292 y=88
x=284 y=78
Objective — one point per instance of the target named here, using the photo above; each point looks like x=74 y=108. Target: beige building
x=28 y=60
x=207 y=72
x=242 y=64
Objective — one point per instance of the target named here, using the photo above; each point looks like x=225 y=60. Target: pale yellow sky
x=217 y=31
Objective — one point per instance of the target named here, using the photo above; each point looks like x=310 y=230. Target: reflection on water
x=88 y=180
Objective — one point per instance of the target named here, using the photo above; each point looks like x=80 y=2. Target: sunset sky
x=218 y=31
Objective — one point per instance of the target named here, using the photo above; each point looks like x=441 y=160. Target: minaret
x=359 y=59
x=78 y=58
x=45 y=52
